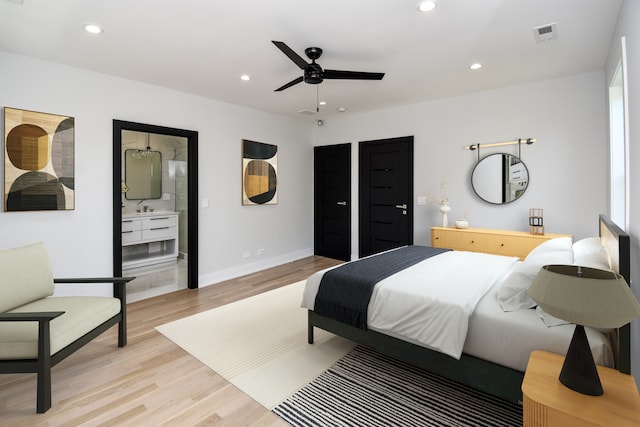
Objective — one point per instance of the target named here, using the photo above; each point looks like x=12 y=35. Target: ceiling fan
x=313 y=73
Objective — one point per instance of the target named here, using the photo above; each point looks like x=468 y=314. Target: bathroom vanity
x=149 y=238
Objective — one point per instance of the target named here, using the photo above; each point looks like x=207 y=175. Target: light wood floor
x=151 y=381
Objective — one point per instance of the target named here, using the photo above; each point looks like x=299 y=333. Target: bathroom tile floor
x=156 y=280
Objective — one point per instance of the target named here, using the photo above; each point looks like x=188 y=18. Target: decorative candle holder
x=536 y=222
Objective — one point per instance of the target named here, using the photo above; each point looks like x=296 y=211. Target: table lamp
x=587 y=297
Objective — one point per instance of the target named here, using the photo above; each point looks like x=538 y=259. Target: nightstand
x=547 y=402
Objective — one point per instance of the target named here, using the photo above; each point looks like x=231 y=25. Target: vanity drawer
x=149 y=238
x=131 y=225
x=159 y=233
x=130 y=236
x=159 y=221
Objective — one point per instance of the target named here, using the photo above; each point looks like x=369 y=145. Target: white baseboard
x=208 y=279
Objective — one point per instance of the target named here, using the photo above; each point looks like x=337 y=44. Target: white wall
x=80 y=241
x=567 y=164
x=628 y=27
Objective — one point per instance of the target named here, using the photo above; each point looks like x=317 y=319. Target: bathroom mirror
x=500 y=178
x=143 y=174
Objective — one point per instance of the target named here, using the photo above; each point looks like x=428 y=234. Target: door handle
x=401 y=206
x=342 y=203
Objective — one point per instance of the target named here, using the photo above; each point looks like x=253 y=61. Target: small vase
x=462 y=223
x=445 y=209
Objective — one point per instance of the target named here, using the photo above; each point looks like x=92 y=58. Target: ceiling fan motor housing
x=313 y=53
x=313 y=74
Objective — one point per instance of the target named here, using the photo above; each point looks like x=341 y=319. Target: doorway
x=332 y=201
x=153 y=239
x=386 y=194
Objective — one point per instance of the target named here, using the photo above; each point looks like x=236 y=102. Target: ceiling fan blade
x=297 y=59
x=351 y=75
x=291 y=83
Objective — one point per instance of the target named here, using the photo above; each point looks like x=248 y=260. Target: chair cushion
x=26 y=276
x=19 y=340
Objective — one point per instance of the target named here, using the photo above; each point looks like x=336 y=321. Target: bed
x=496 y=343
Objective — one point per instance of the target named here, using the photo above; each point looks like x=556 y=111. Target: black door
x=332 y=201
x=386 y=194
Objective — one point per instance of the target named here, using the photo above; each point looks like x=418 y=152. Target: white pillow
x=551 y=257
x=587 y=246
x=598 y=260
x=512 y=295
x=548 y=319
x=559 y=244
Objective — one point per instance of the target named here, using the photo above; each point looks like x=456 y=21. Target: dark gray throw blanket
x=345 y=291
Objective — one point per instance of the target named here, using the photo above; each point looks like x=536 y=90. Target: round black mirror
x=500 y=178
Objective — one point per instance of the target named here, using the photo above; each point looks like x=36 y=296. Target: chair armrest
x=118 y=284
x=95 y=280
x=30 y=317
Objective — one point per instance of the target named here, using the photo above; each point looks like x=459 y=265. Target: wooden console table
x=497 y=242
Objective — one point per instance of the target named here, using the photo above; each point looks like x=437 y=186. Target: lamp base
x=579 y=371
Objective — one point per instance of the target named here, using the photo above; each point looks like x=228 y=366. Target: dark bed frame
x=474 y=372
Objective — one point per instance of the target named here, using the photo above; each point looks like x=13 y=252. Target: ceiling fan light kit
x=92 y=28
x=427 y=5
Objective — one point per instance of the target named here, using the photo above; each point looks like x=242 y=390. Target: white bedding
x=430 y=303
x=508 y=338
x=423 y=311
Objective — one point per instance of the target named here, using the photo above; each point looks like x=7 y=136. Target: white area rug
x=259 y=344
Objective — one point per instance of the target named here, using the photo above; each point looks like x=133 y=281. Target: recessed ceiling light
x=475 y=66
x=92 y=28
x=342 y=109
x=245 y=77
x=322 y=103
x=427 y=5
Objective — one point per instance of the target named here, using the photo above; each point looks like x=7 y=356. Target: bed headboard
x=617 y=243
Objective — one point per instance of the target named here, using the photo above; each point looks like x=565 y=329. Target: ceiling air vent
x=545 y=32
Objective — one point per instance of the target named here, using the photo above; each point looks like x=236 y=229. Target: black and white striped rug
x=365 y=388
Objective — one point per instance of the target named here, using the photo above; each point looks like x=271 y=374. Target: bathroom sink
x=153 y=213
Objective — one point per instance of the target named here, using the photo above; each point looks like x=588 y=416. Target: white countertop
x=147 y=214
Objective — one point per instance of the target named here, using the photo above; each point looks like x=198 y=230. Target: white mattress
x=429 y=303
x=505 y=338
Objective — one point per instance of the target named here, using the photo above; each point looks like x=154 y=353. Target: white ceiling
x=203 y=46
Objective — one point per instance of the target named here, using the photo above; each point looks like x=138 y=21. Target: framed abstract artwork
x=38 y=161
x=259 y=173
